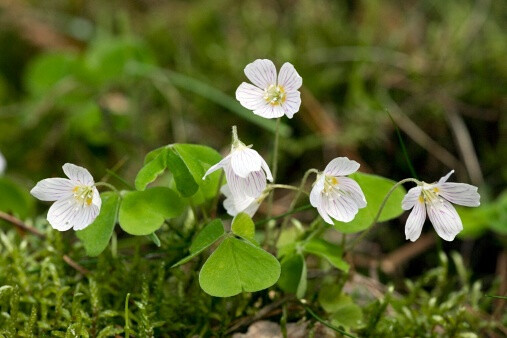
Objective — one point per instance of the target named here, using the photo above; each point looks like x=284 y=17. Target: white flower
x=229 y=203
x=270 y=97
x=77 y=200
x=246 y=173
x=3 y=163
x=435 y=199
x=337 y=196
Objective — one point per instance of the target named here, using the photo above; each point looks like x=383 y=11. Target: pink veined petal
x=341 y=208
x=62 y=212
x=269 y=111
x=444 y=218
x=230 y=206
x=261 y=72
x=243 y=189
x=353 y=190
x=244 y=161
x=78 y=174
x=87 y=217
x=96 y=200
x=292 y=103
x=266 y=169
x=415 y=221
x=289 y=78
x=446 y=177
x=250 y=96
x=223 y=163
x=460 y=193
x=323 y=213
x=341 y=166
x=411 y=198
x=52 y=189
x=315 y=194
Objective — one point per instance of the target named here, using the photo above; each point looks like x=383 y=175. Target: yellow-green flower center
x=83 y=194
x=429 y=193
x=330 y=183
x=275 y=95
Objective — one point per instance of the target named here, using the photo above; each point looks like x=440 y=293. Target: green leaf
x=293 y=275
x=143 y=212
x=185 y=182
x=375 y=189
x=237 y=266
x=344 y=311
x=331 y=252
x=15 y=199
x=243 y=226
x=151 y=171
x=96 y=236
x=211 y=233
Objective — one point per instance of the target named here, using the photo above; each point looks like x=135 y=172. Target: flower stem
x=300 y=190
x=285 y=186
x=377 y=216
x=274 y=165
x=235 y=139
x=107 y=185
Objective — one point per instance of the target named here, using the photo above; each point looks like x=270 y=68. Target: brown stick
x=406 y=253
x=17 y=222
x=75 y=265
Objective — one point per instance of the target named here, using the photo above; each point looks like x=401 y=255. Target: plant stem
x=107 y=185
x=304 y=207
x=274 y=165
x=377 y=216
x=329 y=325
x=296 y=198
x=285 y=186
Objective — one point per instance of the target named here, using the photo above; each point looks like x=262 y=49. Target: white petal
x=341 y=208
x=67 y=213
x=292 y=103
x=3 y=163
x=270 y=111
x=415 y=221
x=52 y=189
x=446 y=177
x=244 y=188
x=250 y=96
x=262 y=73
x=224 y=162
x=244 y=161
x=96 y=200
x=289 y=77
x=411 y=197
x=460 y=193
x=444 y=218
x=226 y=191
x=252 y=208
x=315 y=194
x=341 y=166
x=267 y=170
x=77 y=173
x=353 y=190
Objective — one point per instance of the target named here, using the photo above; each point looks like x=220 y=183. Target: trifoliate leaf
x=293 y=275
x=243 y=226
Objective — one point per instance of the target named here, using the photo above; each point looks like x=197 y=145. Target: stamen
x=275 y=95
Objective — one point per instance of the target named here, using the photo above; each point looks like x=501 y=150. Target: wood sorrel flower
x=230 y=205
x=77 y=200
x=270 y=97
x=436 y=199
x=337 y=196
x=245 y=171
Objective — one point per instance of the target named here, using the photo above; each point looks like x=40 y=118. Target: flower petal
x=77 y=173
x=292 y=103
x=270 y=111
x=244 y=161
x=266 y=169
x=316 y=200
x=224 y=162
x=341 y=166
x=52 y=189
x=67 y=213
x=353 y=190
x=96 y=200
x=415 y=220
x=340 y=207
x=242 y=189
x=411 y=197
x=460 y=193
x=3 y=163
x=444 y=218
x=446 y=177
x=289 y=77
x=261 y=72
x=250 y=96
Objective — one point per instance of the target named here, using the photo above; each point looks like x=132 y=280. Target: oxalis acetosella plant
x=243 y=258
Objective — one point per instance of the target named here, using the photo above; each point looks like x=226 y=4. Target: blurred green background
x=100 y=83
